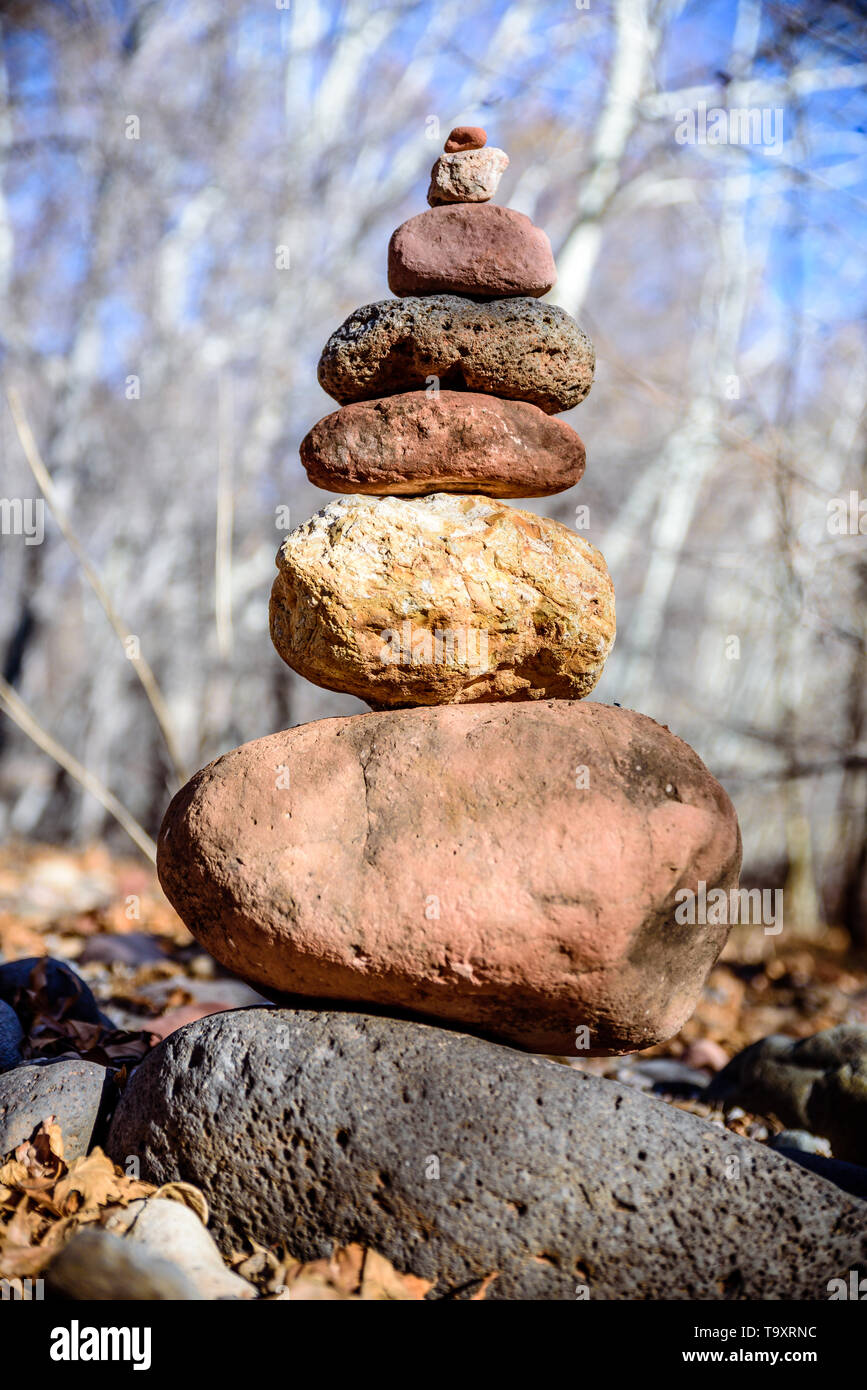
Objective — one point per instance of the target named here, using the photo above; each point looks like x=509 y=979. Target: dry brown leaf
x=311 y=1289
x=94 y=1182
x=188 y=1196
x=380 y=1280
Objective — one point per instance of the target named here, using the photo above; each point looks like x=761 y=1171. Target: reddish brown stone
x=446 y=861
x=478 y=249
x=451 y=441
x=466 y=137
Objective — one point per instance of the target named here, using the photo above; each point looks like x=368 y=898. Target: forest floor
x=107 y=917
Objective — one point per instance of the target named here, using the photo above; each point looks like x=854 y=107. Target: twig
x=142 y=668
x=223 y=549
x=19 y=713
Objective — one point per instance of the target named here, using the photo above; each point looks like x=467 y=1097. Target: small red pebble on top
x=466 y=137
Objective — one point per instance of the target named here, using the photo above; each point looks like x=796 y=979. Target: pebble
x=817 y=1084
x=11 y=1038
x=95 y=1265
x=75 y=1092
x=465 y=137
x=470 y=176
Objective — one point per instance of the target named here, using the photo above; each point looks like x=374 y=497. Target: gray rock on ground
x=64 y=988
x=11 y=1037
x=801 y=1140
x=72 y=1090
x=818 y=1084
x=849 y=1177
x=456 y=1157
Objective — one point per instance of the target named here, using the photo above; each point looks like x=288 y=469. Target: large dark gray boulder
x=456 y=1157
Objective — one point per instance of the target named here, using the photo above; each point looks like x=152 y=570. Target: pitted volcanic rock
x=518 y=349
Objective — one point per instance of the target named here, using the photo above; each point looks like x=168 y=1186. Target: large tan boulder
x=443 y=599
x=512 y=871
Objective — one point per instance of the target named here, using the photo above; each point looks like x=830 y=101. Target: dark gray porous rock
x=456 y=1157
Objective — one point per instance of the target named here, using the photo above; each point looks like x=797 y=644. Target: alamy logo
x=23 y=516
x=408 y=646
x=731 y=125
x=22 y=1290
x=77 y=1343
x=855 y=1288
x=715 y=906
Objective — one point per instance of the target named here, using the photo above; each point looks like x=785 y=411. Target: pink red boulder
x=443 y=441
x=478 y=249
x=509 y=870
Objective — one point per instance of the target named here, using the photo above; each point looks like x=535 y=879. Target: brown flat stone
x=466 y=137
x=449 y=441
x=478 y=249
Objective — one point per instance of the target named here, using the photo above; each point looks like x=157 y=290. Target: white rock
x=468 y=176
x=174 y=1231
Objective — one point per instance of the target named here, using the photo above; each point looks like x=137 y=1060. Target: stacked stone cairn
x=482 y=852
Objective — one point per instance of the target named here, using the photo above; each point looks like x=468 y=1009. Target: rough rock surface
x=98 y=1266
x=470 y=248
x=457 y=1158
x=443 y=441
x=511 y=870
x=465 y=137
x=467 y=176
x=818 y=1084
x=11 y=1037
x=516 y=348
x=70 y=1090
x=441 y=600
